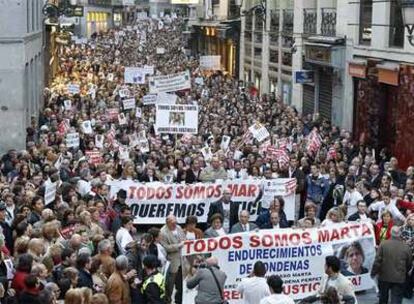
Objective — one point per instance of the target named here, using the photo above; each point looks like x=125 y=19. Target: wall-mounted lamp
x=407 y=9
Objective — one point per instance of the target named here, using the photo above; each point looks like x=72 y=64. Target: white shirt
x=277 y=299
x=220 y=231
x=253 y=289
x=391 y=207
x=123 y=238
x=232 y=174
x=351 y=199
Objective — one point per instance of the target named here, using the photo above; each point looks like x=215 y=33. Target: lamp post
x=407 y=9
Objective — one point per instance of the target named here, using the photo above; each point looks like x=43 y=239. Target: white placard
x=129 y=103
x=149 y=99
x=122 y=119
x=68 y=104
x=50 y=192
x=225 y=141
x=199 y=81
x=73 y=88
x=176 y=119
x=138 y=112
x=72 y=140
x=210 y=62
x=87 y=127
x=166 y=98
x=160 y=51
x=99 y=141
x=170 y=83
x=124 y=93
x=259 y=132
x=134 y=75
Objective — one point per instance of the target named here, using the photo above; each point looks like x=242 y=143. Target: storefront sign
x=357 y=70
x=388 y=75
x=304 y=76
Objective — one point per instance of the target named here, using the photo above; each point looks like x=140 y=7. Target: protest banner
x=210 y=62
x=50 y=192
x=134 y=75
x=225 y=142
x=296 y=255
x=166 y=98
x=152 y=202
x=148 y=70
x=138 y=113
x=170 y=83
x=176 y=119
x=124 y=93
x=73 y=88
x=129 y=103
x=72 y=140
x=149 y=99
x=259 y=132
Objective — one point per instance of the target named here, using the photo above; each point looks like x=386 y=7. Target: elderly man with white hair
x=172 y=239
x=243 y=224
x=210 y=281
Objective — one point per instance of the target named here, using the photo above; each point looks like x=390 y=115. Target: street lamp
x=407 y=9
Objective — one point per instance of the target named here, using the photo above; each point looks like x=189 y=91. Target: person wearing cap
x=7 y=229
x=275 y=284
x=153 y=287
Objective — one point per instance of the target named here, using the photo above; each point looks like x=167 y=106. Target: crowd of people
x=83 y=246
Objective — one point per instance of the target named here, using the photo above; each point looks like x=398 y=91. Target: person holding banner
x=172 y=239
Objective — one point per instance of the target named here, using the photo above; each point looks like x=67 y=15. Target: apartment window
x=396 y=38
x=32 y=21
x=273 y=56
x=258 y=52
x=365 y=22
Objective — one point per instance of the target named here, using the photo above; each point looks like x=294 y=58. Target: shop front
x=384 y=106
x=325 y=57
x=215 y=38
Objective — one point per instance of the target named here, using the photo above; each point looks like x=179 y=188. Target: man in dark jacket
x=392 y=263
x=83 y=264
x=228 y=209
x=361 y=214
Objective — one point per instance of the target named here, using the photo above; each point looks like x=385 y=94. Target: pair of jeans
x=397 y=292
x=174 y=279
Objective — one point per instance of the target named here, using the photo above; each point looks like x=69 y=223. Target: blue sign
x=304 y=76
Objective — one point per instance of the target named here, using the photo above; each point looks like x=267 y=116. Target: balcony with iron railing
x=310 y=16
x=328 y=22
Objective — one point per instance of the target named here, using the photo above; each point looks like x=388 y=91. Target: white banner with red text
x=296 y=255
x=152 y=202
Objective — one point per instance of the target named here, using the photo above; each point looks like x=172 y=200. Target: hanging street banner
x=152 y=202
x=176 y=119
x=210 y=62
x=170 y=83
x=296 y=255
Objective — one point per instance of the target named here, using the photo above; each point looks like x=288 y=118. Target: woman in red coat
x=23 y=269
x=383 y=228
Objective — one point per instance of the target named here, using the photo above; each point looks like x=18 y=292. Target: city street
x=206 y=151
